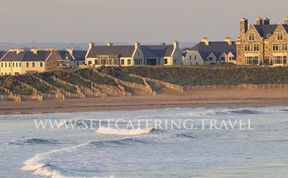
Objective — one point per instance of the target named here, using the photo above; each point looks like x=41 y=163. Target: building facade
x=133 y=55
x=262 y=43
x=19 y=61
x=211 y=52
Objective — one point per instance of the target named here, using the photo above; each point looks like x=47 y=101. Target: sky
x=149 y=21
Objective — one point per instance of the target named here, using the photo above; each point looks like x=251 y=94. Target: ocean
x=245 y=142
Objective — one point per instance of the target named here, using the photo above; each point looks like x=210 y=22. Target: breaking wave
x=124 y=132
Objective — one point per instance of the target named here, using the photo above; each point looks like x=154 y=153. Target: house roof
x=79 y=55
x=2 y=53
x=122 y=51
x=215 y=47
x=65 y=55
x=265 y=29
x=26 y=56
x=156 y=50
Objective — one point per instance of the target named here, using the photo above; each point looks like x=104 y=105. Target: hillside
x=115 y=81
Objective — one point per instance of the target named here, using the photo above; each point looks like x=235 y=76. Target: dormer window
x=280 y=36
x=251 y=37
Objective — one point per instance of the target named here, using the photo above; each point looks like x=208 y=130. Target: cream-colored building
x=114 y=55
x=19 y=61
x=211 y=52
x=133 y=55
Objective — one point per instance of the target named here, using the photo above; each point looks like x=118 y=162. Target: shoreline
x=195 y=98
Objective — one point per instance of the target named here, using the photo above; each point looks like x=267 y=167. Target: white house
x=214 y=52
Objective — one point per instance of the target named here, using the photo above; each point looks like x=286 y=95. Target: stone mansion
x=262 y=43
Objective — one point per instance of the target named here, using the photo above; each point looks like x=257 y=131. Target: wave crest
x=124 y=132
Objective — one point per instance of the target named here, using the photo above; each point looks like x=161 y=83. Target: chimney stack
x=175 y=44
x=17 y=50
x=109 y=44
x=228 y=40
x=266 y=21
x=90 y=45
x=286 y=20
x=243 y=25
x=259 y=21
x=70 y=50
x=34 y=50
x=205 y=41
x=137 y=45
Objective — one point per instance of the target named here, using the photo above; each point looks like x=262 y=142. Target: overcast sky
x=130 y=20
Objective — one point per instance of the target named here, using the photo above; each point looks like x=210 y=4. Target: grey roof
x=2 y=53
x=122 y=51
x=265 y=29
x=65 y=55
x=215 y=47
x=79 y=55
x=26 y=56
x=150 y=51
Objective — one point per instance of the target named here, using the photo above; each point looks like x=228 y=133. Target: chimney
x=90 y=46
x=259 y=21
x=109 y=44
x=228 y=40
x=17 y=50
x=243 y=25
x=175 y=44
x=286 y=20
x=205 y=41
x=266 y=21
x=136 y=44
x=34 y=50
x=70 y=50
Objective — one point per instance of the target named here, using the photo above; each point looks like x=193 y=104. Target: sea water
x=260 y=151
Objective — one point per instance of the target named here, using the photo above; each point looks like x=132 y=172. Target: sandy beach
x=196 y=98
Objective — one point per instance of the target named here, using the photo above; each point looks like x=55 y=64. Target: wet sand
x=196 y=98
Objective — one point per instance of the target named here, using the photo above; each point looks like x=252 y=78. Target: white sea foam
x=124 y=132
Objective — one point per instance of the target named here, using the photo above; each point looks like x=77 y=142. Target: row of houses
x=261 y=43
x=20 y=61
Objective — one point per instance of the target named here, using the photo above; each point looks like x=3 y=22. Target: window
x=222 y=58
x=122 y=62
x=129 y=61
x=5 y=64
x=9 y=64
x=252 y=60
x=251 y=37
x=284 y=47
x=27 y=64
x=210 y=58
x=284 y=59
x=33 y=64
x=89 y=62
x=19 y=64
x=166 y=61
x=1 y=64
x=195 y=57
x=247 y=47
x=41 y=64
x=16 y=64
x=256 y=47
x=13 y=64
x=190 y=57
x=275 y=47
x=280 y=36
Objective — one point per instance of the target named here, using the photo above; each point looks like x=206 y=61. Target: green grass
x=32 y=81
x=93 y=76
x=48 y=78
x=121 y=73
